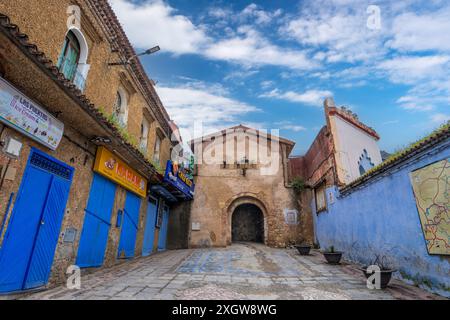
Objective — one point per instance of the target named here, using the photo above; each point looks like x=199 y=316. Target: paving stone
x=241 y=271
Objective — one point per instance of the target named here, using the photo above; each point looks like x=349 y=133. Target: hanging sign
x=177 y=177
x=21 y=113
x=110 y=166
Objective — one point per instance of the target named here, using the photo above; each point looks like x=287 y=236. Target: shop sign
x=27 y=117
x=177 y=177
x=110 y=166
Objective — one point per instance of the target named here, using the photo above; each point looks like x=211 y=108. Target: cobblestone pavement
x=242 y=271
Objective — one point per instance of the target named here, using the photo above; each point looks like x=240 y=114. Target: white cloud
x=440 y=118
x=294 y=128
x=288 y=125
x=260 y=16
x=341 y=34
x=155 y=23
x=250 y=48
x=310 y=97
x=178 y=34
x=415 y=103
x=410 y=69
x=416 y=32
x=199 y=102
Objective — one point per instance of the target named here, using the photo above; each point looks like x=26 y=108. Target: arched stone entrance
x=247 y=223
x=256 y=208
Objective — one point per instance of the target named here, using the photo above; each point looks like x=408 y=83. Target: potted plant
x=385 y=269
x=303 y=248
x=332 y=256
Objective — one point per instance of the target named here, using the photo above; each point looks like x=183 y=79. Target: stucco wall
x=350 y=142
x=382 y=218
x=220 y=190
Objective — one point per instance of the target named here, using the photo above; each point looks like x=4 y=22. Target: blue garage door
x=149 y=235
x=129 y=226
x=28 y=247
x=162 y=240
x=97 y=220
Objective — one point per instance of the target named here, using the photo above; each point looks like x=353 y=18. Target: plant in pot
x=303 y=248
x=332 y=256
x=380 y=264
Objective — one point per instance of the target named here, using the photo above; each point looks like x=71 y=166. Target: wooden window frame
x=317 y=191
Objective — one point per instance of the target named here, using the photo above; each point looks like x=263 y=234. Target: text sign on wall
x=177 y=177
x=26 y=116
x=110 y=166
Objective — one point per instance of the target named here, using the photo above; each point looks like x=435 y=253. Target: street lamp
x=147 y=52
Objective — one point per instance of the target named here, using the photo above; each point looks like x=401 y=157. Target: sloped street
x=242 y=271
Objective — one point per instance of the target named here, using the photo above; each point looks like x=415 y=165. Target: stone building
x=239 y=199
x=344 y=149
x=84 y=141
x=242 y=191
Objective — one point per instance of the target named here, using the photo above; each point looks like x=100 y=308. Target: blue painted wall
x=381 y=218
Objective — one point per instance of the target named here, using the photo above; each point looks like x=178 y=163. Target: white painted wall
x=350 y=142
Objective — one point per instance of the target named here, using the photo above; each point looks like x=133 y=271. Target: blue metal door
x=162 y=240
x=28 y=247
x=149 y=235
x=94 y=236
x=129 y=226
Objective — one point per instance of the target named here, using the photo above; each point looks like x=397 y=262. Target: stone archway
x=247 y=224
x=247 y=201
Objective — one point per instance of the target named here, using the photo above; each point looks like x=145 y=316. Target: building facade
x=85 y=140
x=242 y=191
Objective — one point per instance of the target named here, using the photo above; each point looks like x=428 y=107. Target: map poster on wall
x=26 y=116
x=431 y=185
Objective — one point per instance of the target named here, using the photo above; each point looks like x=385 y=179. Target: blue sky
x=270 y=64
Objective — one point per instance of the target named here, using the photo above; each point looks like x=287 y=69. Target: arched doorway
x=247 y=223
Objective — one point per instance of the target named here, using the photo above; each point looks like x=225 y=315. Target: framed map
x=431 y=185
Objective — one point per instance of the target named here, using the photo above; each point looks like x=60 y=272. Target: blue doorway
x=129 y=226
x=162 y=240
x=97 y=223
x=150 y=225
x=28 y=247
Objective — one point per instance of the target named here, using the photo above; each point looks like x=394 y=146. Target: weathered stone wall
x=179 y=224
x=47 y=30
x=219 y=190
x=318 y=162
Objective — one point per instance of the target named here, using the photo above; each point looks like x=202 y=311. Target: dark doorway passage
x=247 y=224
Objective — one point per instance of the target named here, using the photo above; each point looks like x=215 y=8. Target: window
x=72 y=62
x=157 y=151
x=70 y=56
x=365 y=162
x=145 y=127
x=120 y=109
x=320 y=197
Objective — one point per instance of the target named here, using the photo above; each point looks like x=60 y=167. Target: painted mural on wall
x=431 y=186
x=21 y=113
